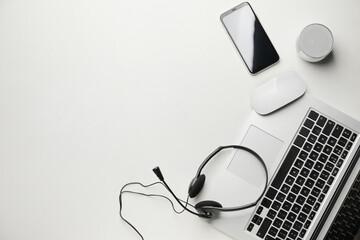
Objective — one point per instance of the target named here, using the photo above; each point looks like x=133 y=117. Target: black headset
x=206 y=209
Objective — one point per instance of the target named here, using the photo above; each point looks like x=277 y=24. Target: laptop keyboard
x=302 y=182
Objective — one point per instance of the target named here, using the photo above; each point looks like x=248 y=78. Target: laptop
x=311 y=151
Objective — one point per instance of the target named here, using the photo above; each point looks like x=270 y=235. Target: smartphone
x=249 y=37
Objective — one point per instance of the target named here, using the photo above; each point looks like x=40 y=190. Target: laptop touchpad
x=246 y=166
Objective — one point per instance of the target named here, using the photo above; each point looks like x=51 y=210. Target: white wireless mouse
x=277 y=92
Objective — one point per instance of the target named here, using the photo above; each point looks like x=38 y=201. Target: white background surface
x=94 y=94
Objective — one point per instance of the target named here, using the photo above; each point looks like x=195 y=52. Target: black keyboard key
x=329 y=166
x=305 y=191
x=348 y=146
x=313 y=115
x=316 y=130
x=263 y=228
x=332 y=141
x=259 y=210
x=333 y=158
x=276 y=205
x=285 y=167
x=296 y=208
x=287 y=225
x=291 y=197
x=337 y=131
x=312 y=138
x=344 y=154
x=330 y=181
x=309 y=163
x=303 y=155
x=308 y=147
x=302 y=217
x=282 y=234
x=346 y=133
x=353 y=137
x=273 y=231
x=314 y=155
x=291 y=217
x=302 y=233
x=321 y=121
x=300 y=200
x=316 y=207
x=266 y=202
x=335 y=171
x=311 y=200
x=299 y=141
x=295 y=189
x=280 y=197
x=328 y=127
x=323 y=158
x=271 y=193
x=285 y=189
x=298 y=163
x=271 y=214
x=318 y=166
x=286 y=206
x=306 y=209
x=327 y=149
x=250 y=227
x=324 y=175
x=307 y=224
x=326 y=189
x=322 y=139
x=312 y=215
x=320 y=183
x=309 y=183
x=282 y=214
x=304 y=131
x=293 y=234
x=342 y=142
x=304 y=172
x=314 y=174
x=338 y=150
x=339 y=163
x=318 y=147
x=315 y=192
x=300 y=180
x=297 y=225
x=277 y=223
x=294 y=172
x=309 y=123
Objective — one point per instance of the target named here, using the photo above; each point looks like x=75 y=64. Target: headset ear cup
x=196 y=185
x=200 y=205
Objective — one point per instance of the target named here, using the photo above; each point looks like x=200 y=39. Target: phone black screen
x=250 y=38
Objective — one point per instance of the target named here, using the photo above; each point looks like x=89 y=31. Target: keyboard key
x=344 y=154
x=304 y=172
x=286 y=206
x=296 y=208
x=297 y=225
x=312 y=138
x=304 y=131
x=266 y=202
x=294 y=172
x=314 y=155
x=263 y=228
x=316 y=130
x=273 y=231
x=329 y=166
x=313 y=115
x=280 y=197
x=302 y=217
x=318 y=147
x=295 y=189
x=277 y=223
x=309 y=183
x=328 y=127
x=337 y=131
x=342 y=142
x=303 y=155
x=307 y=224
x=314 y=174
x=333 y=158
x=285 y=167
x=353 y=137
x=321 y=121
x=299 y=163
x=282 y=234
x=323 y=158
x=332 y=141
x=320 y=183
x=293 y=234
x=312 y=215
x=338 y=150
x=291 y=197
x=305 y=191
x=287 y=225
x=346 y=133
x=282 y=214
x=291 y=217
x=348 y=146
x=302 y=233
x=308 y=147
x=276 y=205
x=309 y=123
x=259 y=210
x=299 y=141
x=271 y=214
x=327 y=149
x=271 y=193
x=300 y=180
x=318 y=166
x=315 y=192
x=324 y=175
x=300 y=200
x=285 y=189
x=250 y=227
x=322 y=139
x=309 y=164
x=306 y=208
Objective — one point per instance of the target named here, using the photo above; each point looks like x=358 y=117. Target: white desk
x=94 y=94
